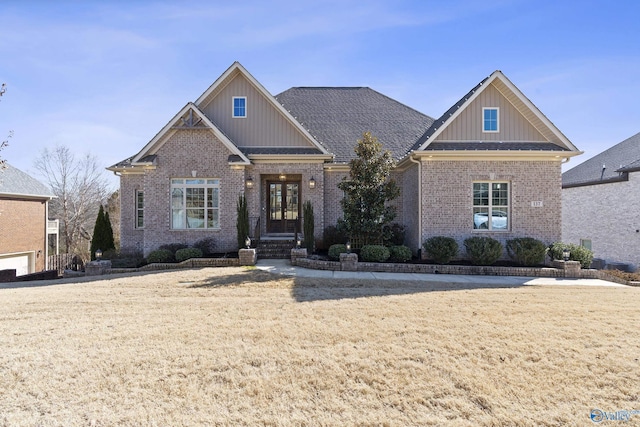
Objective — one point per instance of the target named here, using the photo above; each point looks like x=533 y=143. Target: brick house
x=491 y=165
x=600 y=204
x=24 y=225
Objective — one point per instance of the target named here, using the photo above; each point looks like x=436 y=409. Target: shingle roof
x=279 y=150
x=14 y=181
x=608 y=165
x=338 y=116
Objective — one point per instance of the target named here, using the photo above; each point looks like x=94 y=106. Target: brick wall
x=332 y=196
x=22 y=228
x=447 y=198
x=606 y=214
x=409 y=219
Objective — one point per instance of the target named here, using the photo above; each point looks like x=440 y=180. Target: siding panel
x=513 y=126
x=264 y=125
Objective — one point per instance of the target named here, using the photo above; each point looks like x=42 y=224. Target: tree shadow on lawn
x=306 y=289
x=240 y=278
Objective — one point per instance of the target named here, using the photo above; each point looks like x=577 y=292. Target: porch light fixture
x=348 y=246
x=282 y=177
x=566 y=254
x=249 y=183
x=247 y=242
x=98 y=254
x=298 y=243
x=312 y=183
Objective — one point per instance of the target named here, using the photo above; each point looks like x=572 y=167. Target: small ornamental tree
x=367 y=191
x=242 y=226
x=308 y=226
x=102 y=239
x=110 y=242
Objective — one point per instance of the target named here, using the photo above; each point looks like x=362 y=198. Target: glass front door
x=283 y=207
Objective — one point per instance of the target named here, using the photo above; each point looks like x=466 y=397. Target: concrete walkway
x=279 y=266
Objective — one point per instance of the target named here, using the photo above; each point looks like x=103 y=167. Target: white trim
x=490 y=206
x=233 y=107
x=206 y=186
x=497 y=109
x=137 y=208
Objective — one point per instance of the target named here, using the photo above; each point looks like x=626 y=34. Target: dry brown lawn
x=243 y=347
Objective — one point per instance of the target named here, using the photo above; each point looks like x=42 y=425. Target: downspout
x=419 y=163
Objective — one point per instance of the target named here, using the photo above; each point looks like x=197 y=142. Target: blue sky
x=104 y=77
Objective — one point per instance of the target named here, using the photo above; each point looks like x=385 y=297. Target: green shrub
x=374 y=253
x=160 y=255
x=526 y=251
x=187 y=253
x=483 y=250
x=336 y=250
x=400 y=253
x=441 y=249
x=173 y=248
x=577 y=253
x=206 y=245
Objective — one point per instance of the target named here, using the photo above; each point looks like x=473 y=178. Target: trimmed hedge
x=577 y=253
x=441 y=249
x=526 y=251
x=336 y=250
x=374 y=253
x=186 y=253
x=483 y=250
x=160 y=255
x=400 y=253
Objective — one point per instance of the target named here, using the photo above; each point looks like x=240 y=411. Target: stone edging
x=454 y=269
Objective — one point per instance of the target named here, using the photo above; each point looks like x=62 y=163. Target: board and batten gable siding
x=264 y=125
x=513 y=127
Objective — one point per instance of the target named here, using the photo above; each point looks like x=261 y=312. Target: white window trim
x=490 y=206
x=497 y=119
x=138 y=209
x=233 y=107
x=184 y=186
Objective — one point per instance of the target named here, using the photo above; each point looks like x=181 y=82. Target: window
x=585 y=243
x=490 y=120
x=240 y=106
x=491 y=206
x=139 y=209
x=195 y=203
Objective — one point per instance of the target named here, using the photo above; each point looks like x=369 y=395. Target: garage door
x=19 y=261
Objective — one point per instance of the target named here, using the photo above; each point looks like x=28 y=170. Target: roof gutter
x=419 y=163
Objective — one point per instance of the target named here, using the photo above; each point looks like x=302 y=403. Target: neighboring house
x=601 y=203
x=490 y=166
x=24 y=225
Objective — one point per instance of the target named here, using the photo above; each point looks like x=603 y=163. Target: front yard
x=234 y=346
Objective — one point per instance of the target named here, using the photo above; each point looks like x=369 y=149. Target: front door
x=283 y=207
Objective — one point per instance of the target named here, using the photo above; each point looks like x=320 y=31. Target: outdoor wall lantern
x=566 y=254
x=247 y=242
x=249 y=183
x=298 y=243
x=282 y=177
x=348 y=245
x=312 y=183
x=98 y=254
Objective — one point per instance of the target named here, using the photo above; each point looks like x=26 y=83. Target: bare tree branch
x=80 y=187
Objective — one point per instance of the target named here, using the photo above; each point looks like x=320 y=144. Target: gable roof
x=338 y=116
x=608 y=166
x=237 y=68
x=14 y=182
x=194 y=118
x=528 y=110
